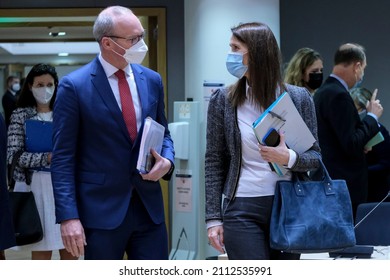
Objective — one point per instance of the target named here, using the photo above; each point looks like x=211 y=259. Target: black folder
x=38 y=136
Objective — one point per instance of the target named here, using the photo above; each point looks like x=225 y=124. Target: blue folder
x=39 y=136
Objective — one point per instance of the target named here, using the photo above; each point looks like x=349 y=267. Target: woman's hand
x=278 y=154
x=49 y=158
x=215 y=235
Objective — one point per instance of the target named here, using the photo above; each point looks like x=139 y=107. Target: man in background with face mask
x=105 y=206
x=10 y=97
x=342 y=135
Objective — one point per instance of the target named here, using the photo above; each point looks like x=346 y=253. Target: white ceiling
x=36 y=48
x=27 y=40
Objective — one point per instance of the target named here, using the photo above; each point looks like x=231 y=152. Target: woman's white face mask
x=135 y=54
x=43 y=95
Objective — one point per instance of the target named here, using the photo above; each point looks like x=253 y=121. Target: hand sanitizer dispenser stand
x=187 y=198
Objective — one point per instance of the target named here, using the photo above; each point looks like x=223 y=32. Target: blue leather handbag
x=312 y=216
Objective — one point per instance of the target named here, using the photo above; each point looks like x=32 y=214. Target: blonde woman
x=305 y=69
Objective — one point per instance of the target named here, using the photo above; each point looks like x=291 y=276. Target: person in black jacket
x=342 y=135
x=10 y=97
x=7 y=235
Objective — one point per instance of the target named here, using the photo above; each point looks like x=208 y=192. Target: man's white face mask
x=134 y=54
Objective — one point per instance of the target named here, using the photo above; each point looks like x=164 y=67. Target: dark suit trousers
x=138 y=236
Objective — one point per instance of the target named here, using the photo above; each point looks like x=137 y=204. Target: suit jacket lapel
x=103 y=88
x=142 y=89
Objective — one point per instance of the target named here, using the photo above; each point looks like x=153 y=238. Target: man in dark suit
x=102 y=201
x=10 y=97
x=7 y=235
x=342 y=135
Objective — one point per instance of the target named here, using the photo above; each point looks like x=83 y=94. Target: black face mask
x=315 y=80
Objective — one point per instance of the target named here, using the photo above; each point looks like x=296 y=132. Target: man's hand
x=374 y=105
x=159 y=169
x=73 y=237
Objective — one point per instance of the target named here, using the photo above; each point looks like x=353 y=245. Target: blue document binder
x=38 y=136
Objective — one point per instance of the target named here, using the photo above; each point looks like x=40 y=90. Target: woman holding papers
x=236 y=165
x=32 y=169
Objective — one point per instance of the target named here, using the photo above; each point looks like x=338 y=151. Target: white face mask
x=43 y=95
x=15 y=87
x=134 y=54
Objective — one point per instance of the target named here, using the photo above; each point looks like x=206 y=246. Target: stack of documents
x=283 y=116
x=152 y=138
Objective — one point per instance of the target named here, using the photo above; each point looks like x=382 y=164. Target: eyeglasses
x=132 y=40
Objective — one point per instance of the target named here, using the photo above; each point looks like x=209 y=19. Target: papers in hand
x=374 y=140
x=152 y=137
x=283 y=116
x=38 y=136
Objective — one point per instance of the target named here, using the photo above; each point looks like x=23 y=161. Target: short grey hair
x=104 y=23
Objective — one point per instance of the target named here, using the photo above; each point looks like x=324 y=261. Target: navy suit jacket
x=94 y=160
x=342 y=136
x=7 y=235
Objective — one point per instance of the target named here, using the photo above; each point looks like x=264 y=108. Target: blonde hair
x=295 y=70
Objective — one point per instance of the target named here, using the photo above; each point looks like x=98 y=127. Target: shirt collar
x=340 y=80
x=110 y=70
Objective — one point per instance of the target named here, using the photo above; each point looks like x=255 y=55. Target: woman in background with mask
x=35 y=102
x=236 y=166
x=305 y=69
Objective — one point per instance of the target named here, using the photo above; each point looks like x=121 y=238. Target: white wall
x=207 y=35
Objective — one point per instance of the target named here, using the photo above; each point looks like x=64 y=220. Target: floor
x=24 y=255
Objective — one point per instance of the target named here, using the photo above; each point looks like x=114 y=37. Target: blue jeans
x=246 y=230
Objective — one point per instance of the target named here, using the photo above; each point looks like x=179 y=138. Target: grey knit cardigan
x=223 y=148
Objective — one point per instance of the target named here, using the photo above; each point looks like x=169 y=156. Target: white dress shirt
x=113 y=80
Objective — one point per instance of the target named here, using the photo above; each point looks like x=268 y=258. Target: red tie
x=128 y=111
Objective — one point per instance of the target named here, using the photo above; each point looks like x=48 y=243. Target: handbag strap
x=326 y=181
x=11 y=170
x=325 y=173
